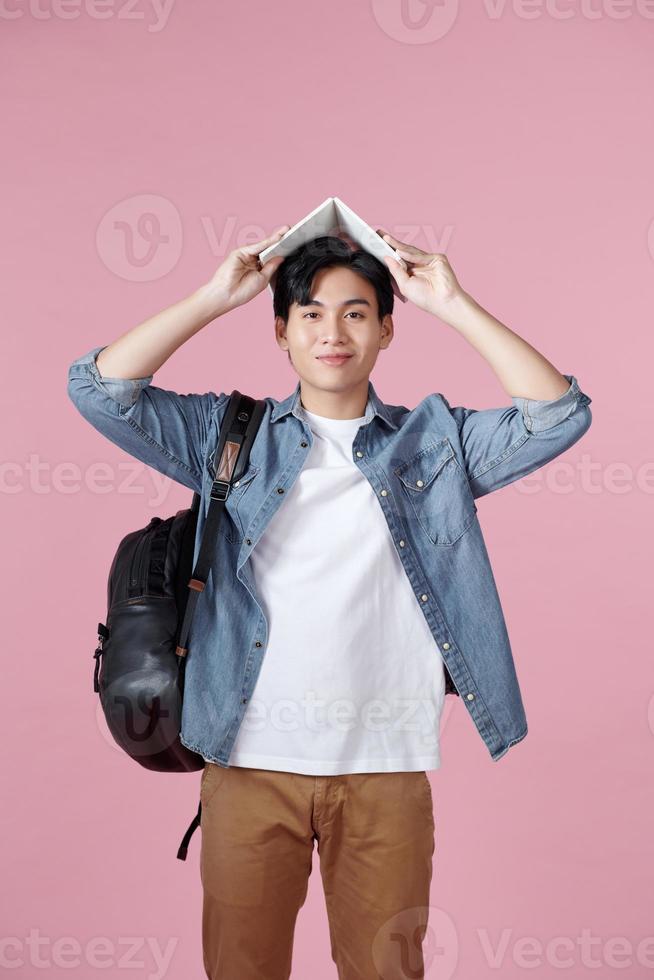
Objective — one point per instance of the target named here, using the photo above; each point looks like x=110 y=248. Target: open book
x=333 y=217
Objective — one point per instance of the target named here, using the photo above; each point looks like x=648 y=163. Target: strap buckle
x=219 y=490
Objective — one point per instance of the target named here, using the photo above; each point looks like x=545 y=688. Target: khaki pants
x=375 y=834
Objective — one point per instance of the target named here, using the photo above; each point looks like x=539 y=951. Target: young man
x=351 y=590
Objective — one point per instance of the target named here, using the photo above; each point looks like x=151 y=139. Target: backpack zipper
x=139 y=562
x=141 y=559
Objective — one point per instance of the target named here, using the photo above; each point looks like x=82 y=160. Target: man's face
x=342 y=317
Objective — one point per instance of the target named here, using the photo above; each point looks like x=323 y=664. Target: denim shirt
x=427 y=467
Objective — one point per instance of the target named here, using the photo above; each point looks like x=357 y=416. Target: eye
x=313 y=313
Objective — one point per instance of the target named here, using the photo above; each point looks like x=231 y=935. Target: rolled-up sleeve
x=124 y=391
x=541 y=415
x=164 y=429
x=500 y=445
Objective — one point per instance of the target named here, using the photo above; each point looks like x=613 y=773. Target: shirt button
x=424 y=597
x=237 y=483
x=419 y=483
x=258 y=643
x=243 y=700
x=446 y=646
x=359 y=454
x=304 y=444
x=470 y=697
x=248 y=541
x=280 y=489
x=401 y=544
x=384 y=493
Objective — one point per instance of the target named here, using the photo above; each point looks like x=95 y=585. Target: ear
x=387 y=331
x=280 y=333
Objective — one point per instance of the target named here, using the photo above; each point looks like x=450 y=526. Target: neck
x=348 y=404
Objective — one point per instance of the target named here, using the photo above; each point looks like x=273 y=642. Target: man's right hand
x=241 y=277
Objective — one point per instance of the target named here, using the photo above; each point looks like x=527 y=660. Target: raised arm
x=141 y=351
x=111 y=385
x=549 y=412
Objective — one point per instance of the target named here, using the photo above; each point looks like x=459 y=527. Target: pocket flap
x=247 y=476
x=418 y=472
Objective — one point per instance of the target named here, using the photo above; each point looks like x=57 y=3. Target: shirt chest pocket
x=242 y=502
x=436 y=489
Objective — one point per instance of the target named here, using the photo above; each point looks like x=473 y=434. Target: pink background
x=518 y=140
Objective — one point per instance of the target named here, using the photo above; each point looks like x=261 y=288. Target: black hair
x=296 y=273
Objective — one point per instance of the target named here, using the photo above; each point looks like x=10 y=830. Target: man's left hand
x=428 y=281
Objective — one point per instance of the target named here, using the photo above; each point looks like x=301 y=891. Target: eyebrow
x=347 y=302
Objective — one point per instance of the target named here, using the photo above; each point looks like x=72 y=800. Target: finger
x=419 y=260
x=399 y=274
x=257 y=247
x=269 y=269
x=398 y=245
x=386 y=234
x=391 y=240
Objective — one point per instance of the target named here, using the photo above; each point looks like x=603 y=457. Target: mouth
x=334 y=360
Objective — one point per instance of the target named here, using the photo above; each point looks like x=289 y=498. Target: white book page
x=333 y=217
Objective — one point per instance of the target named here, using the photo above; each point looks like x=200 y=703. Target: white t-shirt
x=352 y=679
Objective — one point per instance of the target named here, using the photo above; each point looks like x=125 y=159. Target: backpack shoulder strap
x=237 y=432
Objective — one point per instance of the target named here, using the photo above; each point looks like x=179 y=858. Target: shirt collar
x=374 y=406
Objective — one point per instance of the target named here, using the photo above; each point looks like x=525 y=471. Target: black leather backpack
x=151 y=597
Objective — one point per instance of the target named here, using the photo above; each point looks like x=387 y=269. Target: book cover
x=333 y=217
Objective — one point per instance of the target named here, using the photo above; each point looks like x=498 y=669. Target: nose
x=333 y=329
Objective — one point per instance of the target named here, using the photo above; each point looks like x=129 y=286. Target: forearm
x=143 y=349
x=522 y=371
